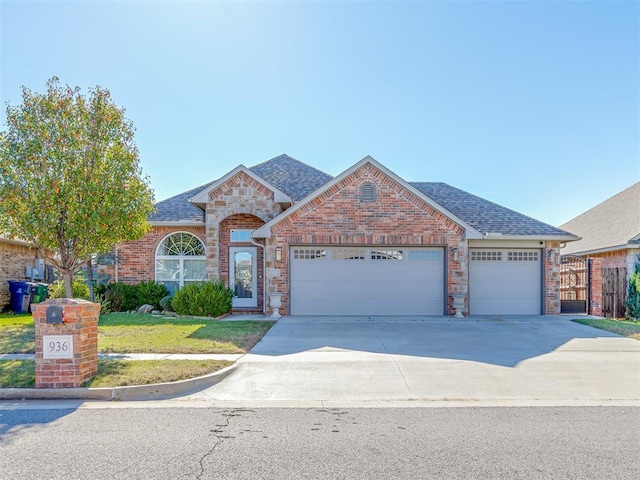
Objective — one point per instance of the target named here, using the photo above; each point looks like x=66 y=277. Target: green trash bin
x=40 y=293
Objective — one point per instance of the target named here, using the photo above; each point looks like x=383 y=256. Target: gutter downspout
x=264 y=275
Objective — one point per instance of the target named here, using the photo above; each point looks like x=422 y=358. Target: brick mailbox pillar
x=66 y=342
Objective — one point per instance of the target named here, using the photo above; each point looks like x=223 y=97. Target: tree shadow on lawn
x=504 y=341
x=242 y=335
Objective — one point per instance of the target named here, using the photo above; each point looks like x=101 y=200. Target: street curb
x=154 y=391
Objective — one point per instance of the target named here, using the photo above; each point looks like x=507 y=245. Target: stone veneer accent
x=241 y=194
x=81 y=322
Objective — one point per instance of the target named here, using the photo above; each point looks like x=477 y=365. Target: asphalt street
x=195 y=441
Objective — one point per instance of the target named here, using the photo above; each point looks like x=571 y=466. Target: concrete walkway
x=505 y=360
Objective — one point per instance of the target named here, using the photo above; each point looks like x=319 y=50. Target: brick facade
x=397 y=217
x=615 y=259
x=81 y=323
x=337 y=216
x=240 y=221
x=136 y=259
x=15 y=257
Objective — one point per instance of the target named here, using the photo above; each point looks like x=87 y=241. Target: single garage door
x=505 y=282
x=367 y=281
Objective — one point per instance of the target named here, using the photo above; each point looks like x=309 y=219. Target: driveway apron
x=513 y=360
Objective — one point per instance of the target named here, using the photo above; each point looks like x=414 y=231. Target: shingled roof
x=291 y=176
x=612 y=224
x=483 y=215
x=298 y=180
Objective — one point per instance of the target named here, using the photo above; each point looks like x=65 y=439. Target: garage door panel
x=505 y=282
x=373 y=285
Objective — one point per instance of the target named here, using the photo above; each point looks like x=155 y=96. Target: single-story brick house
x=610 y=239
x=363 y=242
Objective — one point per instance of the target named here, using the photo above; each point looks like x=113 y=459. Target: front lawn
x=116 y=373
x=144 y=333
x=621 y=327
x=17 y=333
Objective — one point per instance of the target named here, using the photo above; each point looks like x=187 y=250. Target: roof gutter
x=178 y=223
x=559 y=238
x=595 y=251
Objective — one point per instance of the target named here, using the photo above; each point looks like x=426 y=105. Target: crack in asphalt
x=217 y=433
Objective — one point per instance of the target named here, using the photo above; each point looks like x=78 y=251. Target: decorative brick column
x=67 y=345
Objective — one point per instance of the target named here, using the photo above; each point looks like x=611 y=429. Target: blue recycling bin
x=20 y=296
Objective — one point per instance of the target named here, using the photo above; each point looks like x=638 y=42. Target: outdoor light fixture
x=278 y=254
x=551 y=255
x=454 y=252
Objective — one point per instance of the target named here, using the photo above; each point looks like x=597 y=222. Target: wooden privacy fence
x=614 y=292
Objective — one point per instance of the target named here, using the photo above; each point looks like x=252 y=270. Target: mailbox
x=55 y=314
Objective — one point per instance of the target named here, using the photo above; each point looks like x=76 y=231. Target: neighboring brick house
x=15 y=257
x=610 y=239
x=364 y=242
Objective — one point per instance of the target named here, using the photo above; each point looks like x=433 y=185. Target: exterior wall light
x=278 y=254
x=455 y=254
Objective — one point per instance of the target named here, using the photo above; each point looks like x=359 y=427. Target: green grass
x=17 y=333
x=17 y=373
x=116 y=373
x=131 y=333
x=621 y=327
x=134 y=333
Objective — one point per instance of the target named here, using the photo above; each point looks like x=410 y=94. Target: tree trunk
x=92 y=295
x=68 y=283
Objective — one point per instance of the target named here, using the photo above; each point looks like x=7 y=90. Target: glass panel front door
x=243 y=276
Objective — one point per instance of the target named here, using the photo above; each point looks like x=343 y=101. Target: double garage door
x=367 y=281
x=410 y=281
x=505 y=282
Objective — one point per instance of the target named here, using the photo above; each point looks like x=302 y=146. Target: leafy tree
x=70 y=180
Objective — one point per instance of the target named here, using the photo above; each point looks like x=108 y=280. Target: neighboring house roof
x=485 y=216
x=611 y=225
x=298 y=180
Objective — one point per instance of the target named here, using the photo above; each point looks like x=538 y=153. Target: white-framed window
x=180 y=259
x=240 y=235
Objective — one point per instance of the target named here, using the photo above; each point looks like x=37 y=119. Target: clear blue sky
x=534 y=105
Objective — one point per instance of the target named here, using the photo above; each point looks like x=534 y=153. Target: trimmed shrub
x=205 y=299
x=151 y=293
x=79 y=289
x=122 y=297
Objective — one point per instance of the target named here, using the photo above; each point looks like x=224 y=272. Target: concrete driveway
x=412 y=361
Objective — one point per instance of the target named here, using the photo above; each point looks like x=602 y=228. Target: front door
x=243 y=276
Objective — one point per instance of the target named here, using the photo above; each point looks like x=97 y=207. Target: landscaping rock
x=146 y=308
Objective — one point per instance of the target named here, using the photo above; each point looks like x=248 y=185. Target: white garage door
x=367 y=281
x=505 y=282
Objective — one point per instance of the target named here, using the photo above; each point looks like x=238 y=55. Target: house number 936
x=59 y=346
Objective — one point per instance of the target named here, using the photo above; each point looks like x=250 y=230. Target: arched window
x=180 y=259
